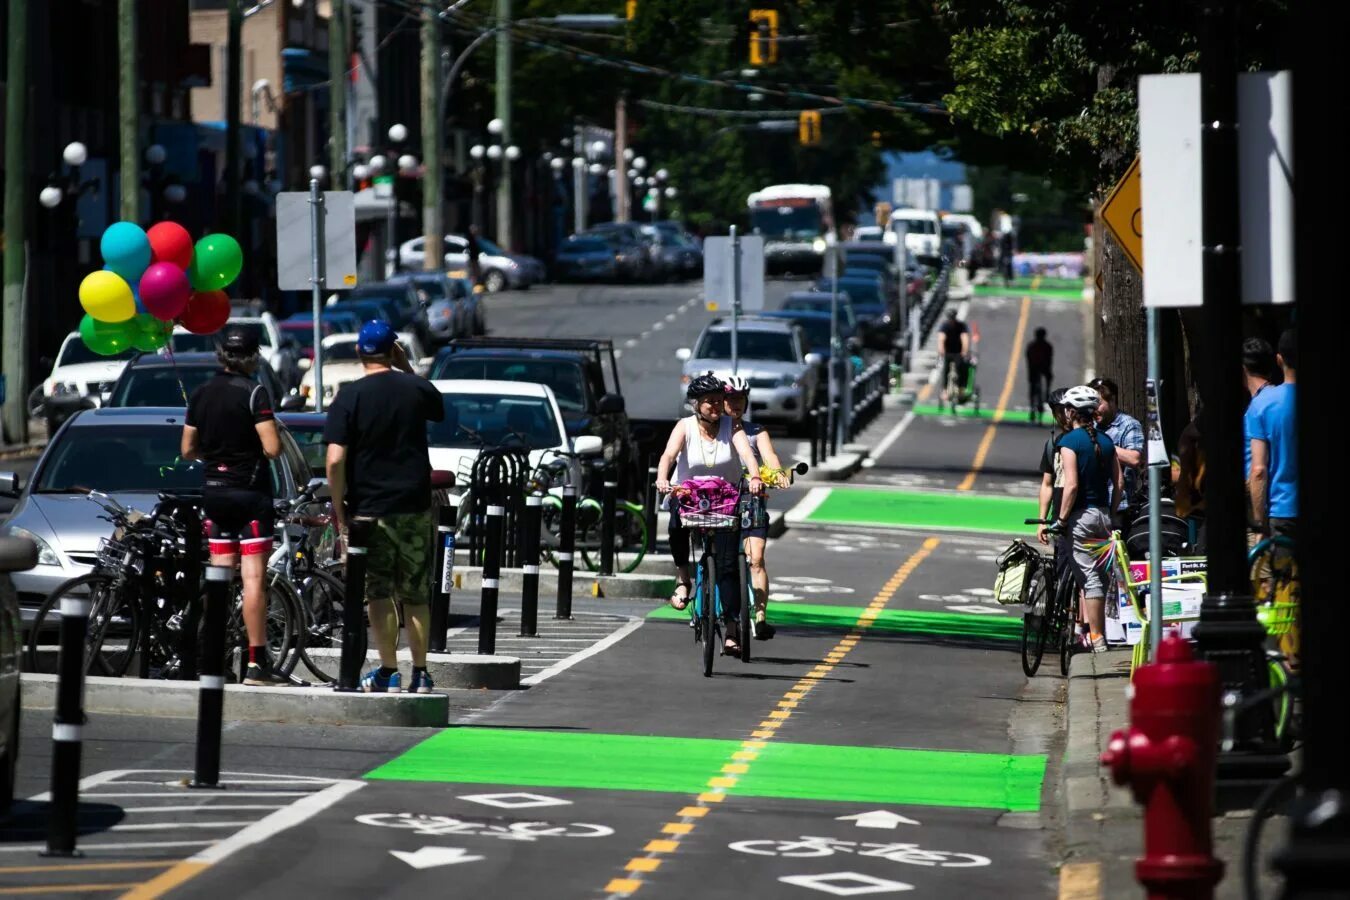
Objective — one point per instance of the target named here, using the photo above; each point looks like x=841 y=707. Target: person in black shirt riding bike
x=230 y=428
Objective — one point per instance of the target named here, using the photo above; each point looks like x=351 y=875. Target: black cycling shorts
x=238 y=520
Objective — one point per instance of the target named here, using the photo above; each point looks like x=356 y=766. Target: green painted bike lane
x=924 y=510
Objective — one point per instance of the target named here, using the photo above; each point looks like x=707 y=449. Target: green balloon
x=149 y=333
x=107 y=338
x=216 y=263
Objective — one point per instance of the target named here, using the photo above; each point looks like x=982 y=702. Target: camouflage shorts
x=399 y=558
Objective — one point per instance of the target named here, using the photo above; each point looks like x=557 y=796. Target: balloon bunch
x=174 y=281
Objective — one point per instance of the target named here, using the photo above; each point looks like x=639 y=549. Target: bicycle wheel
x=282 y=622
x=1035 y=626
x=112 y=629
x=630 y=540
x=1284 y=705
x=322 y=598
x=708 y=612
x=747 y=608
x=1066 y=593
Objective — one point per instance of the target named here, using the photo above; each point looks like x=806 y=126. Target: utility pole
x=337 y=93
x=232 y=214
x=434 y=233
x=505 y=237
x=15 y=357
x=128 y=110
x=621 y=192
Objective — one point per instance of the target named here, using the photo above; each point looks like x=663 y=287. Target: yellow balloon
x=107 y=297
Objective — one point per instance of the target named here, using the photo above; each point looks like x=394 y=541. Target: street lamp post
x=482 y=155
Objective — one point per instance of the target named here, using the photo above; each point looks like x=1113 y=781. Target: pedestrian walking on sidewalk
x=379 y=471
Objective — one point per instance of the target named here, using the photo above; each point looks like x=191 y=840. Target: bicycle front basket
x=708 y=521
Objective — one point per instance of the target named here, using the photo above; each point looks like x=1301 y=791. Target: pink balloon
x=165 y=291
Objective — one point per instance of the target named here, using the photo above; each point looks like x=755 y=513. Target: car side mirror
x=684 y=354
x=292 y=403
x=814 y=359
x=610 y=405
x=10 y=485
x=318 y=489
x=587 y=445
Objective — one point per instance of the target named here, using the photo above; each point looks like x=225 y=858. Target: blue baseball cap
x=376 y=338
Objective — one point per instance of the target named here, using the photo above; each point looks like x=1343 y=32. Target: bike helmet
x=1082 y=398
x=1056 y=398
x=735 y=384
x=707 y=383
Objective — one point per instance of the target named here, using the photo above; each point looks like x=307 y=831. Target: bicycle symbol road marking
x=908 y=854
x=442 y=826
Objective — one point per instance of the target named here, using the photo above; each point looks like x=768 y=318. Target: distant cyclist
x=955 y=351
x=1040 y=371
x=738 y=398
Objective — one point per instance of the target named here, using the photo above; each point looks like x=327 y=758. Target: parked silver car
x=772 y=355
x=16 y=554
x=130 y=453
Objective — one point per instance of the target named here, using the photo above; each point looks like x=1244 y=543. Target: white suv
x=80 y=372
x=923 y=231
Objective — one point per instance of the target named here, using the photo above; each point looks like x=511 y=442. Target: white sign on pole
x=294 y=253
x=1169 y=145
x=717 y=268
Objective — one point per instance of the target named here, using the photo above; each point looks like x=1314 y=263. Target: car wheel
x=494 y=281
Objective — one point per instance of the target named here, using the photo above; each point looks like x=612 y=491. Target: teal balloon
x=126 y=250
x=217 y=261
x=107 y=338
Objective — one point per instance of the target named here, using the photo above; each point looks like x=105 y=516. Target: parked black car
x=585 y=258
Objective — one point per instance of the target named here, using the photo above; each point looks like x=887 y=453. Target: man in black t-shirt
x=955 y=351
x=230 y=428
x=379 y=469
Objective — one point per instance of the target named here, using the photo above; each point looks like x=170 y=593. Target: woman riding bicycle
x=1091 y=469
x=738 y=399
x=705 y=444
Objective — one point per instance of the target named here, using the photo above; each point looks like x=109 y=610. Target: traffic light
x=631 y=9
x=808 y=128
x=763 y=36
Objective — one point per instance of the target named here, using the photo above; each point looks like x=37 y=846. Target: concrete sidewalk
x=1103 y=828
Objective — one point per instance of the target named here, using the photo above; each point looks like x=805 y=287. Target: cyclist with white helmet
x=738 y=400
x=1091 y=471
x=706 y=443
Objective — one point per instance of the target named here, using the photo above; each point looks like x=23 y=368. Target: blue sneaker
x=421 y=682
x=375 y=683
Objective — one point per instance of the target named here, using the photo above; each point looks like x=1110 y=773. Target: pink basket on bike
x=708 y=502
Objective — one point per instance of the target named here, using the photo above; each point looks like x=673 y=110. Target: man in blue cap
x=379 y=470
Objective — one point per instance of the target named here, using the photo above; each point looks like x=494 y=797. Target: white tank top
x=700 y=458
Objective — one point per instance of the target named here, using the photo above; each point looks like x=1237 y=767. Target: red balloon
x=170 y=243
x=206 y=312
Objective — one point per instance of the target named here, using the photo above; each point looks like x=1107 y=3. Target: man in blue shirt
x=1128 y=437
x=1272 y=479
x=1258 y=371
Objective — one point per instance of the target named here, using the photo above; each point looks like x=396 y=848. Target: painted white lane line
x=204 y=807
x=657 y=326
x=670 y=317
x=892 y=436
x=807 y=504
x=88 y=847
x=144 y=794
x=167 y=826
x=569 y=662
x=279 y=821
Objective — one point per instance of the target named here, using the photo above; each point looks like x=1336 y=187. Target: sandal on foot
x=680 y=600
x=731 y=648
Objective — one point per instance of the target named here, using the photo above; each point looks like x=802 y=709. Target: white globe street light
x=155 y=154
x=662 y=174
x=377 y=163
x=610 y=174
x=398 y=132
x=598 y=148
x=494 y=151
x=628 y=154
x=496 y=126
x=578 y=162
x=632 y=174
x=407 y=162
x=361 y=171
x=639 y=181
x=671 y=193
x=50 y=196
x=317 y=171
x=476 y=151
x=640 y=163
x=75 y=154
x=557 y=163
x=513 y=153
x=597 y=169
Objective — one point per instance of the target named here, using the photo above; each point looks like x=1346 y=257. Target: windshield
x=303 y=334
x=769 y=346
x=341 y=351
x=563 y=377
x=497 y=420
x=312 y=446
x=822 y=305
x=486 y=246
x=159 y=385
x=788 y=222
x=132 y=458
x=430 y=289
x=586 y=246
x=75 y=352
x=396 y=296
x=817 y=331
x=367 y=309
x=917 y=226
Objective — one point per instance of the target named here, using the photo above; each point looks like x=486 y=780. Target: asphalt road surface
x=885 y=742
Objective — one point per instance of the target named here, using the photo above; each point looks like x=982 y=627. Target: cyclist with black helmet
x=705 y=444
x=738 y=400
x=230 y=427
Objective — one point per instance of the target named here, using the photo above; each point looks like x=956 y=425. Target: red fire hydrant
x=1167 y=758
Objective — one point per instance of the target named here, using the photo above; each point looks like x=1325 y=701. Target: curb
x=292 y=705
x=838 y=468
x=470 y=671
x=624 y=587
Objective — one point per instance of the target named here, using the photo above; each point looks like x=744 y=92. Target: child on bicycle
x=737 y=400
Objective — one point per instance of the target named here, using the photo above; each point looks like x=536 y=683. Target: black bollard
x=443 y=576
x=529 y=590
x=834 y=432
x=354 y=607
x=492 y=570
x=211 y=694
x=67 y=729
x=189 y=595
x=567 y=539
x=608 y=502
x=649 y=509
x=815 y=438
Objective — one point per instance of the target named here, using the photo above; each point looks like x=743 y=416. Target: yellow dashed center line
x=988 y=440
x=765 y=731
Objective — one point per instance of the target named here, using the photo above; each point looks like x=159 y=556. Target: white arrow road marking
x=847 y=884
x=878 y=818
x=429 y=857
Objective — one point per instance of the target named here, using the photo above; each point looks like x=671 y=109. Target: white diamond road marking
x=846 y=884
x=515 y=801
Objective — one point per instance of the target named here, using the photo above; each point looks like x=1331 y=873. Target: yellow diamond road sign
x=1121 y=213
